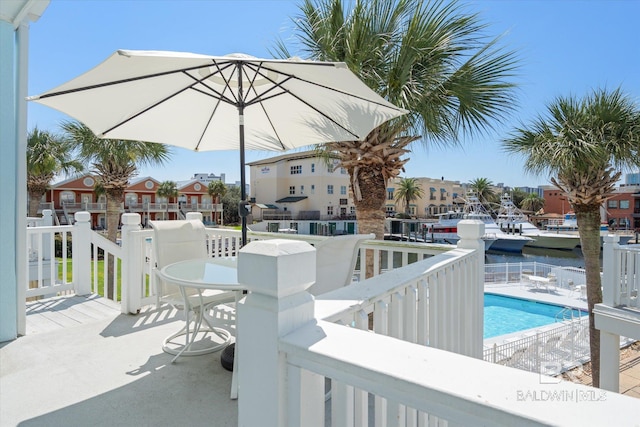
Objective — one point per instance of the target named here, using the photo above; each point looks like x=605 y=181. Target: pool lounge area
x=560 y=298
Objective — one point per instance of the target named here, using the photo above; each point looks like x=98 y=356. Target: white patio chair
x=180 y=240
x=336 y=259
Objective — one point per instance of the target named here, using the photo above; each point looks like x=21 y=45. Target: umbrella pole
x=243 y=206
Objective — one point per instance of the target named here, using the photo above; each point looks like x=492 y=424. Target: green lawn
x=101 y=271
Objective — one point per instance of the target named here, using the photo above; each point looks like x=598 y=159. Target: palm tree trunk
x=370 y=210
x=589 y=226
x=34 y=202
x=113 y=219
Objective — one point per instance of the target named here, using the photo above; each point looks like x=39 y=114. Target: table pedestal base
x=169 y=345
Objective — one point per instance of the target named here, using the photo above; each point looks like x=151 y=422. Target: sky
x=564 y=47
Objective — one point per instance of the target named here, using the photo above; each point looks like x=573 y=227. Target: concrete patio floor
x=111 y=371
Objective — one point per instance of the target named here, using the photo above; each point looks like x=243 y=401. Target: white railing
x=551 y=351
x=624 y=274
x=376 y=379
x=42 y=265
x=514 y=272
x=435 y=302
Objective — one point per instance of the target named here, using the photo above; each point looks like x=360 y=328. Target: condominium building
x=439 y=196
x=300 y=186
x=78 y=194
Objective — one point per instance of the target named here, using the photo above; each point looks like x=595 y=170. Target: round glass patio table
x=203 y=274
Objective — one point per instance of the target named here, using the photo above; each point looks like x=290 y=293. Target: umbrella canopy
x=233 y=102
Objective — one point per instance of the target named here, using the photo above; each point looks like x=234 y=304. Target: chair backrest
x=335 y=261
x=174 y=241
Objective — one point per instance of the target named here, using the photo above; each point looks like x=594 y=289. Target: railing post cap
x=611 y=238
x=130 y=219
x=470 y=229
x=82 y=216
x=194 y=215
x=277 y=267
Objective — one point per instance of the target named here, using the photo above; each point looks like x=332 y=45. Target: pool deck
x=629 y=366
x=558 y=296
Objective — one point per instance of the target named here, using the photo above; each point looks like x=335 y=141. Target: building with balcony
x=440 y=196
x=302 y=191
x=620 y=212
x=77 y=194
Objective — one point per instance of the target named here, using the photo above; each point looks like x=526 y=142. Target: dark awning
x=266 y=206
x=291 y=199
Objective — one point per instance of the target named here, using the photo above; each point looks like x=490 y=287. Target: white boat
x=446 y=230
x=473 y=209
x=569 y=225
x=504 y=242
x=511 y=220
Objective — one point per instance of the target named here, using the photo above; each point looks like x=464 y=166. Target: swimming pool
x=505 y=315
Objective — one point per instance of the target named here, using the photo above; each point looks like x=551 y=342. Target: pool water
x=505 y=315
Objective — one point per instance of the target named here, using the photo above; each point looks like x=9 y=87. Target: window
x=389 y=193
x=343 y=201
x=624 y=204
x=296 y=170
x=131 y=199
x=313 y=167
x=343 y=171
x=432 y=193
x=302 y=189
x=612 y=204
x=330 y=168
x=352 y=210
x=67 y=197
x=329 y=210
x=329 y=189
x=313 y=189
x=343 y=189
x=292 y=189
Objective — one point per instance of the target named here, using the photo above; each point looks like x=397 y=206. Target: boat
x=512 y=220
x=569 y=225
x=505 y=242
x=446 y=230
x=473 y=209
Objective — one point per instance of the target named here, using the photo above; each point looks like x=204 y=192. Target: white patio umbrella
x=232 y=102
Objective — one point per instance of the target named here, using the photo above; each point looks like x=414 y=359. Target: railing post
x=194 y=215
x=132 y=262
x=611 y=276
x=276 y=273
x=81 y=253
x=609 y=342
x=471 y=232
x=47 y=220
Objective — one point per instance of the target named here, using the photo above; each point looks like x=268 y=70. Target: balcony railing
x=624 y=274
x=431 y=297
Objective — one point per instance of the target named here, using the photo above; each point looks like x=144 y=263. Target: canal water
x=564 y=258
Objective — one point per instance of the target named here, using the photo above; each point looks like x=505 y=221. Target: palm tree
x=114 y=163
x=429 y=58
x=216 y=189
x=408 y=190
x=167 y=190
x=532 y=203
x=583 y=144
x=483 y=187
x=517 y=196
x=47 y=155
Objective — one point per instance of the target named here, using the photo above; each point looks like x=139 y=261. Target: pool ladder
x=565 y=314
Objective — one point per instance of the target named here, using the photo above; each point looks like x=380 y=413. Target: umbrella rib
x=115 y=82
x=185 y=72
